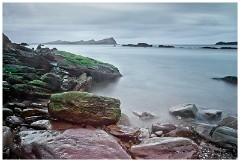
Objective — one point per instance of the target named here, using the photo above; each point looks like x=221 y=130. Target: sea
x=155 y=79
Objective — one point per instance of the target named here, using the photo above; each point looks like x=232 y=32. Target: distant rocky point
x=138 y=45
x=219 y=48
x=165 y=46
x=228 y=79
x=89 y=42
x=226 y=43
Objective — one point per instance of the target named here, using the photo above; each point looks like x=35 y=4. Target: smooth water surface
x=155 y=79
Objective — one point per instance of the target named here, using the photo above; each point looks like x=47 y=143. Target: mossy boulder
x=84 y=108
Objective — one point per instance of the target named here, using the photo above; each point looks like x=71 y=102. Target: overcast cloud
x=154 y=23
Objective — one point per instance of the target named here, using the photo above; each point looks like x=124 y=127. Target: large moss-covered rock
x=84 y=108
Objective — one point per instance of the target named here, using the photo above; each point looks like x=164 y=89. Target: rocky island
x=226 y=43
x=137 y=45
x=48 y=111
x=110 y=41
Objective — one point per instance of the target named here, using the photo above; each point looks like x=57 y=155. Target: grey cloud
x=156 y=22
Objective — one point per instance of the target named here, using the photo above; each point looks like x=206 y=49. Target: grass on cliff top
x=84 y=61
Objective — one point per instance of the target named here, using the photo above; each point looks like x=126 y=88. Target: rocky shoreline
x=47 y=112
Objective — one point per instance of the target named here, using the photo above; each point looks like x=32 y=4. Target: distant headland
x=89 y=42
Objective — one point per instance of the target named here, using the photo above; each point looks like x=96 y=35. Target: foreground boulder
x=165 y=148
x=84 y=108
x=184 y=110
x=71 y=144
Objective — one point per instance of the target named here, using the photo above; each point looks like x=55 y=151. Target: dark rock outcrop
x=54 y=81
x=71 y=144
x=84 y=108
x=84 y=83
x=228 y=79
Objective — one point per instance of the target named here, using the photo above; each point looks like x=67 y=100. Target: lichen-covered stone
x=84 y=108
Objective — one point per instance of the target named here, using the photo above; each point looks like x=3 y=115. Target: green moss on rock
x=56 y=106
x=84 y=108
x=38 y=83
x=8 y=68
x=117 y=113
x=83 y=61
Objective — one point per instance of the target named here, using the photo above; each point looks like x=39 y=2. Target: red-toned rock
x=163 y=127
x=71 y=144
x=165 y=148
x=59 y=125
x=180 y=132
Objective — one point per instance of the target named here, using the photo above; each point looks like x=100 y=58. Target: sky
x=153 y=23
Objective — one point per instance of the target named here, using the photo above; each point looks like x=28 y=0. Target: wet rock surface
x=212 y=113
x=144 y=115
x=184 y=110
x=71 y=144
x=165 y=148
x=165 y=128
x=223 y=136
x=229 y=121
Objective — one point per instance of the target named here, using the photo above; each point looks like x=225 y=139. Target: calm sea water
x=155 y=79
